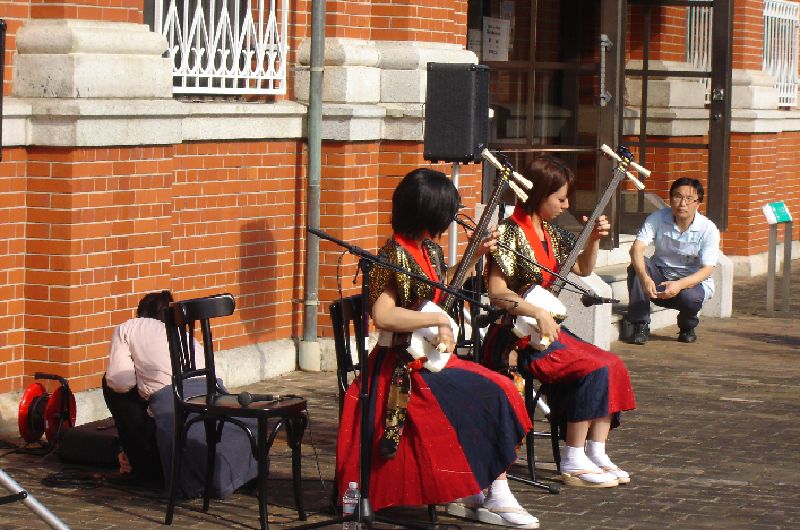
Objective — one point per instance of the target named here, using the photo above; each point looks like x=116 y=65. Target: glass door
x=554 y=84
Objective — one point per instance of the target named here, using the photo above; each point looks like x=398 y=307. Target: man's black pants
x=688 y=302
x=137 y=432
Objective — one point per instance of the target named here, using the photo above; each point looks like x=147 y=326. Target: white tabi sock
x=472 y=501
x=575 y=460
x=596 y=451
x=500 y=497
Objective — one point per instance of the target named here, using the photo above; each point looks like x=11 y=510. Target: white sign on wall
x=496 y=32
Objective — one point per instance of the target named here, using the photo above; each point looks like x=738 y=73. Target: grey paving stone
x=714 y=443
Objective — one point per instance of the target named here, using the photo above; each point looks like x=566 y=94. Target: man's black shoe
x=687 y=335
x=641 y=332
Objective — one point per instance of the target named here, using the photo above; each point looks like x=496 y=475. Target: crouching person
x=137 y=388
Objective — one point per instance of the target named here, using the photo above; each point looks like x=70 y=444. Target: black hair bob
x=154 y=305
x=424 y=201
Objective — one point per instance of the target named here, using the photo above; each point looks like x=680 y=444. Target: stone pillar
x=90 y=59
x=99 y=134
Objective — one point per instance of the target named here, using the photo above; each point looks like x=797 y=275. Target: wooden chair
x=215 y=407
x=346 y=318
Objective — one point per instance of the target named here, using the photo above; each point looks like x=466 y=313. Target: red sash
x=544 y=257
x=420 y=255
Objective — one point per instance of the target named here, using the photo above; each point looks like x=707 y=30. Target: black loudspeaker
x=456 y=112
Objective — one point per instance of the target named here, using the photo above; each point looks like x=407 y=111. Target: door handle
x=605 y=96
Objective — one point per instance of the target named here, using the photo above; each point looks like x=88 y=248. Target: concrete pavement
x=714 y=443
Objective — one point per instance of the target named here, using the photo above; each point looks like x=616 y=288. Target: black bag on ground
x=90 y=444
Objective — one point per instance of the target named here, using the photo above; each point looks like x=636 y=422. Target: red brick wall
x=97 y=236
x=748 y=34
x=667 y=33
x=764 y=168
x=12 y=268
x=238 y=215
x=410 y=20
x=670 y=164
x=391 y=20
x=108 y=10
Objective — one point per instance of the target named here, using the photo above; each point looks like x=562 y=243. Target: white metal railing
x=781 y=25
x=225 y=46
x=698 y=42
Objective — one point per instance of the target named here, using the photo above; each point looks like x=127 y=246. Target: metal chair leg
x=432 y=513
x=530 y=407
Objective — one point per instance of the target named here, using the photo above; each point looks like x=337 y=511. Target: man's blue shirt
x=681 y=254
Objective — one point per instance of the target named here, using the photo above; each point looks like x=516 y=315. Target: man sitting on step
x=678 y=276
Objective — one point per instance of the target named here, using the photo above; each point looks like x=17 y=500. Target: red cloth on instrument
x=542 y=255
x=422 y=258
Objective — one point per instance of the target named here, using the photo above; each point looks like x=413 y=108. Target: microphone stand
x=375 y=259
x=364 y=515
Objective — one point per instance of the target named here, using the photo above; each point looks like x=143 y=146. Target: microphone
x=481 y=321
x=589 y=300
x=464 y=224
x=245 y=398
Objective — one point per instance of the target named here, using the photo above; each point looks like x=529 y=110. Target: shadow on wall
x=259 y=300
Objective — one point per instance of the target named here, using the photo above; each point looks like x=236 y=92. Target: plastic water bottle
x=350 y=505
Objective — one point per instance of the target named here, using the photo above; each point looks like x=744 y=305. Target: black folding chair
x=348 y=325
x=215 y=407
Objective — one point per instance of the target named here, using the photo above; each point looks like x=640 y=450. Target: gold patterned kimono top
x=409 y=290
x=409 y=293
x=520 y=276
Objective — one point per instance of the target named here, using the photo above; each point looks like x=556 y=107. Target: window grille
x=698 y=42
x=781 y=24
x=225 y=46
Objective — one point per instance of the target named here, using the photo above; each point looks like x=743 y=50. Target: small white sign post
x=777 y=213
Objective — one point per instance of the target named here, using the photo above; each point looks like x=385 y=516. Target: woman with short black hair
x=439 y=436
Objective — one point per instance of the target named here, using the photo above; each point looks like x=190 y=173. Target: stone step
x=616 y=276
x=617 y=256
x=660 y=317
